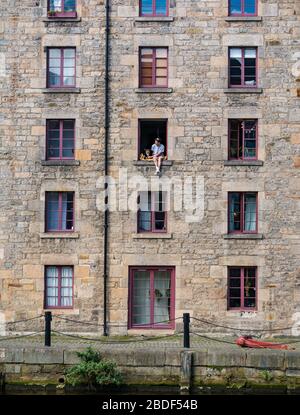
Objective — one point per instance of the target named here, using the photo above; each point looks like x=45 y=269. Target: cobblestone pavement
x=172 y=342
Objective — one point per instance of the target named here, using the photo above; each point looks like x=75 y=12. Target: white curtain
x=250 y=213
x=55 y=5
x=141 y=298
x=64 y=210
x=66 y=291
x=145 y=211
x=162 y=292
x=52 y=286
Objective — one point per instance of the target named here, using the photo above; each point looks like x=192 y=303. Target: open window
x=152 y=213
x=149 y=130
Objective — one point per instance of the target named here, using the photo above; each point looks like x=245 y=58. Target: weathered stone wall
x=24 y=107
x=198 y=110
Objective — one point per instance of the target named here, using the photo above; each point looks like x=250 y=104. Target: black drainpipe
x=106 y=127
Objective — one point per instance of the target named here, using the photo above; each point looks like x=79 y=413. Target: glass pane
x=69 y=124
x=161 y=7
x=54 y=80
x=235 y=282
x=54 y=53
x=69 y=53
x=146 y=7
x=161 y=63
x=234 y=272
x=69 y=81
x=250 y=272
x=146 y=52
x=250 y=53
x=250 y=6
x=250 y=212
x=234 y=303
x=249 y=302
x=69 y=72
x=141 y=298
x=70 y=6
x=235 y=6
x=159 y=218
x=54 y=62
x=53 y=134
x=68 y=153
x=162 y=296
x=69 y=63
x=161 y=81
x=236 y=53
x=161 y=53
x=53 y=124
x=54 y=71
x=56 y=5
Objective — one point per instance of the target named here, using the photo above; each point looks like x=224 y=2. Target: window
x=243 y=67
x=62 y=8
x=61 y=67
x=148 y=131
x=153 y=67
x=154 y=7
x=59 y=211
x=60 y=139
x=152 y=297
x=152 y=215
x=242 y=288
x=242 y=212
x=242 y=139
x=242 y=7
x=58 y=287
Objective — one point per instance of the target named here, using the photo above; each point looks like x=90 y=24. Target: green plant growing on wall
x=267 y=375
x=93 y=370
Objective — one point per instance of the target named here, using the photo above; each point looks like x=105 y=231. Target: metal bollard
x=186 y=330
x=48 y=319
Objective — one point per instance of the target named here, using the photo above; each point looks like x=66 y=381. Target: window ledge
x=243 y=19
x=154 y=19
x=60 y=162
x=154 y=90
x=59 y=235
x=154 y=235
x=150 y=163
x=61 y=90
x=243 y=163
x=243 y=236
x=61 y=19
x=243 y=91
x=58 y=311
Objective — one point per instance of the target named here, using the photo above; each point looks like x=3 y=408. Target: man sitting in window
x=158 y=154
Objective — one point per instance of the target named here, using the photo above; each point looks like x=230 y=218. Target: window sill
x=59 y=235
x=154 y=90
x=154 y=19
x=243 y=19
x=243 y=236
x=61 y=19
x=60 y=162
x=149 y=235
x=243 y=163
x=61 y=90
x=150 y=163
x=58 y=311
x=243 y=91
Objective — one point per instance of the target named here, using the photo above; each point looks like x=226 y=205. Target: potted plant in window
x=51 y=13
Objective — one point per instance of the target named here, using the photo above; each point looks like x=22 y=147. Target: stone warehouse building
x=218 y=82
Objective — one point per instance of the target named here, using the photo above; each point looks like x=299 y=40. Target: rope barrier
x=22 y=321
x=239 y=329
x=117 y=341
x=101 y=325
x=211 y=338
x=21 y=336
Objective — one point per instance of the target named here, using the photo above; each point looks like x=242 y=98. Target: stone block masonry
x=197 y=106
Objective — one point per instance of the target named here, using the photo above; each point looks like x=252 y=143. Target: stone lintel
x=243 y=163
x=243 y=236
x=154 y=90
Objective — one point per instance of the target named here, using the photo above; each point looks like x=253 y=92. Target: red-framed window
x=148 y=131
x=59 y=211
x=59 y=282
x=243 y=67
x=242 y=212
x=153 y=67
x=60 y=139
x=61 y=67
x=152 y=297
x=154 y=7
x=242 y=7
x=152 y=212
x=242 y=288
x=62 y=8
x=242 y=136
